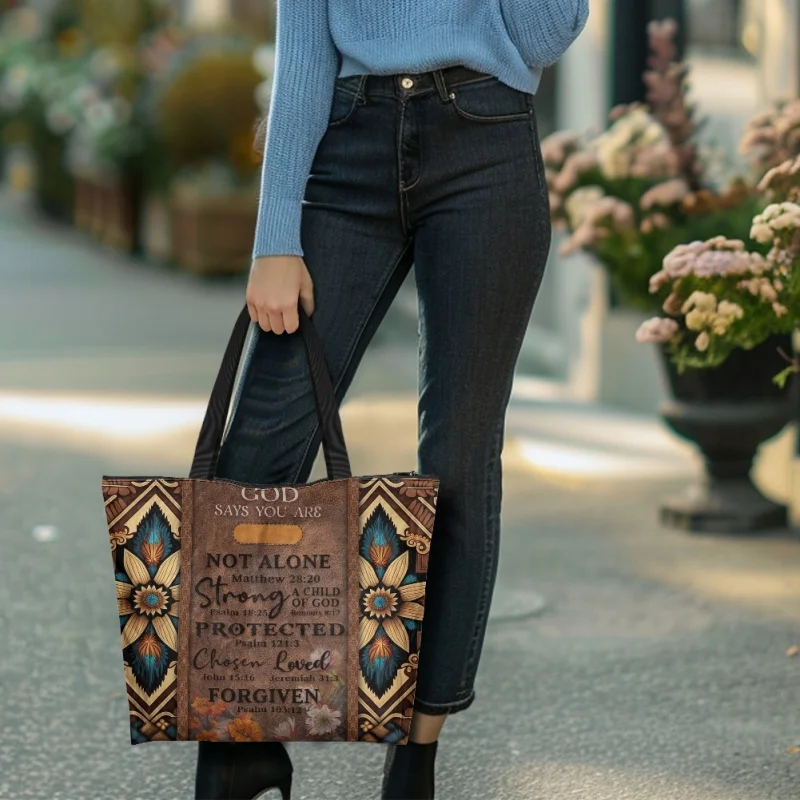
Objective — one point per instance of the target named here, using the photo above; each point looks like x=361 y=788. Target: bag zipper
x=258 y=485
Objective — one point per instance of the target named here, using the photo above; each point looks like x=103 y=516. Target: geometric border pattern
x=396 y=518
x=144 y=525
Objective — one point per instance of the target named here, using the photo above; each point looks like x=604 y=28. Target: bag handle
x=209 y=441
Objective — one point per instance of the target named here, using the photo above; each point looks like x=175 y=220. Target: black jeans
x=441 y=170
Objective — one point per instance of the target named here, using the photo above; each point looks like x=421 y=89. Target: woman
x=400 y=133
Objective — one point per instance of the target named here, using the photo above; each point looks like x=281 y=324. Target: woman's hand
x=276 y=284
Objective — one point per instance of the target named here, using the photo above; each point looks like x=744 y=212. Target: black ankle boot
x=408 y=772
x=241 y=770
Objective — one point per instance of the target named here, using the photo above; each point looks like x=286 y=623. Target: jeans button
x=406 y=83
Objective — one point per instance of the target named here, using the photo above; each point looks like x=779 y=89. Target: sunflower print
x=389 y=602
x=147 y=599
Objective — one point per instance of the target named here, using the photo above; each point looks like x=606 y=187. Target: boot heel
x=409 y=772
x=284 y=786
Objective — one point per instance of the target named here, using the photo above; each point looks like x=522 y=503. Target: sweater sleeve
x=542 y=30
x=306 y=66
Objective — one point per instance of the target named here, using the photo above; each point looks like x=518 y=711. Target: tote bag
x=284 y=612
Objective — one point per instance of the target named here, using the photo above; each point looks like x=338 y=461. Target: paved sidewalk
x=623 y=661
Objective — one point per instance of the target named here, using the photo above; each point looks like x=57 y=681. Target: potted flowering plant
x=633 y=196
x=104 y=145
x=105 y=150
x=633 y=192
x=729 y=312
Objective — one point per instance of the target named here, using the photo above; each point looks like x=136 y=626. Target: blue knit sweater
x=318 y=40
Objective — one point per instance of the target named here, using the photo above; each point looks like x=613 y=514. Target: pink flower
x=556 y=147
x=618 y=211
x=717 y=256
x=574 y=167
x=720 y=262
x=286 y=730
x=673 y=304
x=657 y=329
x=655 y=161
x=584 y=236
x=654 y=222
x=784 y=171
x=669 y=193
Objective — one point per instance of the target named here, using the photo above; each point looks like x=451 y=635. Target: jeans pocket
x=490 y=101
x=541 y=175
x=347 y=97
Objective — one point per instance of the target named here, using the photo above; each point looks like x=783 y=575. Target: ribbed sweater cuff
x=278 y=228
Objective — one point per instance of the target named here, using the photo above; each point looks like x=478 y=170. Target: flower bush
x=106 y=133
x=772 y=137
x=200 y=113
x=632 y=193
x=722 y=294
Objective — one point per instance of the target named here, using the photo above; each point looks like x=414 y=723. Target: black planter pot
x=728 y=412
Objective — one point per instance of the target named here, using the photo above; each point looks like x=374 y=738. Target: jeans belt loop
x=441 y=86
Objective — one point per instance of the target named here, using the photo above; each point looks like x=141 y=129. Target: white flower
x=762 y=233
x=322 y=719
x=653 y=133
x=702 y=301
x=779 y=309
x=768 y=291
x=615 y=162
x=789 y=219
x=696 y=319
x=728 y=309
x=657 y=329
x=286 y=729
x=702 y=342
x=720 y=325
x=579 y=204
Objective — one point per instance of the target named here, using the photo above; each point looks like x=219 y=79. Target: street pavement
x=623 y=661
